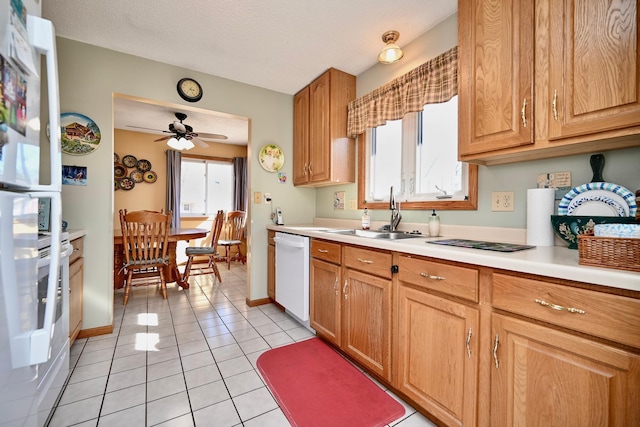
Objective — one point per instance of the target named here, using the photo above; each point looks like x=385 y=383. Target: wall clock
x=189 y=89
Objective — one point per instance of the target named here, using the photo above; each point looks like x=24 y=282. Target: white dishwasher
x=292 y=274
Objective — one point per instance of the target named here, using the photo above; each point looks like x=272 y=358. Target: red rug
x=315 y=386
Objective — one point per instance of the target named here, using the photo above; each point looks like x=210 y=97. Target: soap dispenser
x=434 y=224
x=366 y=223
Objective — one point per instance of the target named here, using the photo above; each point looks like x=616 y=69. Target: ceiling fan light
x=186 y=144
x=174 y=143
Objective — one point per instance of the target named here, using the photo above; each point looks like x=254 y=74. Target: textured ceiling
x=280 y=45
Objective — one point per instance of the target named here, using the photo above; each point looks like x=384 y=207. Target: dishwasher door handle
x=284 y=242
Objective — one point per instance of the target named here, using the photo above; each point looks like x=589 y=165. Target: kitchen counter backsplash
x=554 y=261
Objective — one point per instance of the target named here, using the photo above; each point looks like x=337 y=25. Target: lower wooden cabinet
x=542 y=376
x=366 y=321
x=437 y=355
x=271 y=266
x=76 y=289
x=324 y=300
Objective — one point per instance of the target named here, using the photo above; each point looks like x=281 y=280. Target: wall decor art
x=271 y=158
x=80 y=134
x=74 y=175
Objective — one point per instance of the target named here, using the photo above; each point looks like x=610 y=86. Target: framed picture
x=44 y=213
x=74 y=175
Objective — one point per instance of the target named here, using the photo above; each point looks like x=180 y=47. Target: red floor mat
x=315 y=386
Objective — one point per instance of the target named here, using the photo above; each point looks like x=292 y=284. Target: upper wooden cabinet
x=322 y=153
x=547 y=78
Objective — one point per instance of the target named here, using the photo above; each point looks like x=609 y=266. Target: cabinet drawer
x=613 y=317
x=78 y=249
x=327 y=251
x=449 y=279
x=369 y=261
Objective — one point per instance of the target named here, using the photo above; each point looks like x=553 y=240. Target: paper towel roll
x=540 y=207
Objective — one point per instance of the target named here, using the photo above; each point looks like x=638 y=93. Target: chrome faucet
x=395 y=214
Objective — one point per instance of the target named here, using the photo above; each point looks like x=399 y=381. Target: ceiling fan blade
x=164 y=138
x=140 y=127
x=197 y=141
x=211 y=135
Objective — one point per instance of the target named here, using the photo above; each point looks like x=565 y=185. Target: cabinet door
x=76 y=285
x=438 y=355
x=271 y=272
x=496 y=70
x=319 y=130
x=366 y=321
x=541 y=376
x=301 y=137
x=594 y=67
x=324 y=299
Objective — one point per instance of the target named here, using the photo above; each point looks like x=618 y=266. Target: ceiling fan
x=178 y=130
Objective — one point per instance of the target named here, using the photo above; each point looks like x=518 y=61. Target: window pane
x=220 y=187
x=192 y=187
x=386 y=160
x=437 y=156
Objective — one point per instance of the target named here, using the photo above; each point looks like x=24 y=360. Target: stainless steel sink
x=387 y=235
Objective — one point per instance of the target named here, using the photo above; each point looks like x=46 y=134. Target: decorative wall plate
x=116 y=184
x=137 y=176
x=126 y=183
x=271 y=158
x=150 y=176
x=119 y=171
x=129 y=161
x=116 y=158
x=80 y=135
x=612 y=191
x=143 y=165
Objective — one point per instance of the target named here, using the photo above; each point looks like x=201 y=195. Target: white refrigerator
x=28 y=174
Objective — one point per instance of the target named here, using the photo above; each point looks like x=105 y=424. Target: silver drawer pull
x=429 y=276
x=495 y=352
x=323 y=251
x=467 y=343
x=365 y=261
x=559 y=307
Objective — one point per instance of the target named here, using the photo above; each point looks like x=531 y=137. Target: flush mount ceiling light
x=391 y=52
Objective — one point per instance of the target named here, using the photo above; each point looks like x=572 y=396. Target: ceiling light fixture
x=391 y=52
x=181 y=143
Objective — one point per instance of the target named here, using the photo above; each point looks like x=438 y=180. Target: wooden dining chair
x=209 y=249
x=145 y=236
x=235 y=224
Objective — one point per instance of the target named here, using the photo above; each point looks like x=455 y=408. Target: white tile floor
x=189 y=360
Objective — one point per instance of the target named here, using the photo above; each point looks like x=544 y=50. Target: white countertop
x=76 y=234
x=554 y=261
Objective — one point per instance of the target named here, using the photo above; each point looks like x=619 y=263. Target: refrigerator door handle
x=42 y=37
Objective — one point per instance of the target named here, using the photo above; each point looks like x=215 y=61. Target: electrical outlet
x=257 y=197
x=502 y=201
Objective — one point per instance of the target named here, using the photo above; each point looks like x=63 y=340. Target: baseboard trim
x=256 y=302
x=94 y=332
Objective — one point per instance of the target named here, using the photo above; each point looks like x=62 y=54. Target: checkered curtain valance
x=433 y=82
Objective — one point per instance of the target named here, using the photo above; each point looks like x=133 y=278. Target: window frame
x=204 y=158
x=470 y=203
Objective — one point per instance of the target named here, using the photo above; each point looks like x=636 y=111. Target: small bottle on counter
x=434 y=225
x=366 y=222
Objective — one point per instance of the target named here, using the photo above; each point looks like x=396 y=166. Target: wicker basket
x=610 y=252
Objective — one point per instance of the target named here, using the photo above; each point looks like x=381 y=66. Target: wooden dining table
x=171 y=272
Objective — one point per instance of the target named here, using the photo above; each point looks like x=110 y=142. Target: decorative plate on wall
x=271 y=158
x=116 y=158
x=80 y=135
x=150 y=176
x=119 y=171
x=143 y=165
x=137 y=176
x=126 y=183
x=129 y=161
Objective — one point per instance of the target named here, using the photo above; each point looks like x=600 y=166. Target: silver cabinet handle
x=310 y=170
x=365 y=261
x=468 y=341
x=495 y=352
x=304 y=169
x=559 y=307
x=554 y=105
x=524 y=112
x=335 y=286
x=429 y=276
x=323 y=251
x=344 y=290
